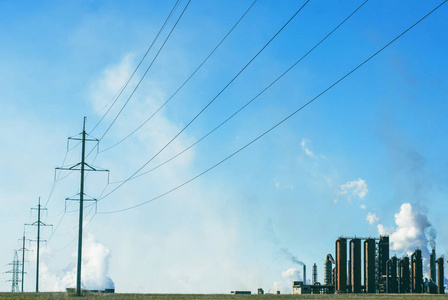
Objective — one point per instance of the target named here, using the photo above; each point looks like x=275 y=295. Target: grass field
x=213 y=297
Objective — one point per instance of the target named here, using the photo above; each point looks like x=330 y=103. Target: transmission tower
x=82 y=167
x=23 y=249
x=15 y=273
x=38 y=223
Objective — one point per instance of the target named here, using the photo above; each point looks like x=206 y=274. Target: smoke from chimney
x=413 y=230
x=293 y=258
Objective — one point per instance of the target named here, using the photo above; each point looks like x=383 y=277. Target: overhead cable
x=144 y=74
x=184 y=83
x=250 y=101
x=281 y=122
x=118 y=94
x=197 y=115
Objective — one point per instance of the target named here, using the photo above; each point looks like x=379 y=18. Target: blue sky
x=366 y=157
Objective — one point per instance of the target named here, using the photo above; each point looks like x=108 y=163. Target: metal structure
x=82 y=167
x=355 y=265
x=369 y=265
x=328 y=270
x=440 y=276
x=23 y=249
x=15 y=273
x=417 y=271
x=304 y=274
x=381 y=273
x=38 y=224
x=314 y=279
x=341 y=265
x=404 y=283
x=432 y=266
x=391 y=276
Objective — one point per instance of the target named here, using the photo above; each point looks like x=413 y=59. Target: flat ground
x=213 y=297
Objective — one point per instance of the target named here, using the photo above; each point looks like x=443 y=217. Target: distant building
x=240 y=292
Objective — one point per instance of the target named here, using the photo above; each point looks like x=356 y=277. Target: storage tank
x=391 y=275
x=440 y=276
x=355 y=259
x=341 y=265
x=404 y=276
x=417 y=271
x=369 y=266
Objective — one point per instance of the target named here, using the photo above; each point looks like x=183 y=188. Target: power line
x=118 y=94
x=197 y=115
x=282 y=121
x=58 y=177
x=84 y=227
x=144 y=74
x=250 y=101
x=185 y=82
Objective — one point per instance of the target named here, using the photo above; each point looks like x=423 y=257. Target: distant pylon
x=23 y=249
x=15 y=273
x=38 y=223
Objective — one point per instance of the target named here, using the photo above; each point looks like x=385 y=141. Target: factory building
x=380 y=272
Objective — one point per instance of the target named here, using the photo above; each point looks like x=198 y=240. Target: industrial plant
x=376 y=272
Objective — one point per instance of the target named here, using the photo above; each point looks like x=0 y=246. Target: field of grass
x=45 y=296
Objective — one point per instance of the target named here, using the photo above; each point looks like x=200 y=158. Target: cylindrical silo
x=341 y=265
x=404 y=275
x=369 y=265
x=355 y=259
x=440 y=276
x=417 y=271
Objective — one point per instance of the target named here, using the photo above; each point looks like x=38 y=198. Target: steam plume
x=413 y=230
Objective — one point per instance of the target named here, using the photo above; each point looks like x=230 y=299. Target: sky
x=367 y=157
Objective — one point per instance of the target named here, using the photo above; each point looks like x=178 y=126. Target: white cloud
x=372 y=218
x=363 y=206
x=356 y=188
x=305 y=148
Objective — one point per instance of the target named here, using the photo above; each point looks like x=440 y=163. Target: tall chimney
x=432 y=266
x=304 y=274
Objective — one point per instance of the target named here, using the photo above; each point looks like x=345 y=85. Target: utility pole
x=15 y=273
x=23 y=249
x=82 y=167
x=38 y=223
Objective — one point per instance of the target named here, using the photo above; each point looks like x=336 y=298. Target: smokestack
x=441 y=287
x=304 y=274
x=432 y=266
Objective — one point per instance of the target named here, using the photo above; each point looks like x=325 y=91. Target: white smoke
x=291 y=274
x=94 y=268
x=292 y=257
x=413 y=230
x=285 y=284
x=96 y=265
